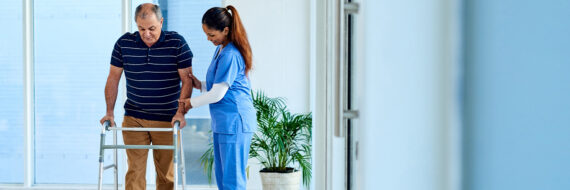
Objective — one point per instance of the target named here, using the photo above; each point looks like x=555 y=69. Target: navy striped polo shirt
x=153 y=83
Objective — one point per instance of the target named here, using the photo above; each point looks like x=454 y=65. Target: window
x=73 y=44
x=11 y=94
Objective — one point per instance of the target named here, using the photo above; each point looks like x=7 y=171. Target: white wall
x=278 y=31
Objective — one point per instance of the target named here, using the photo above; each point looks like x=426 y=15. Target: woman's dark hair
x=218 y=18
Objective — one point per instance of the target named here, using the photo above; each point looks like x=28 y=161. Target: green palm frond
x=283 y=139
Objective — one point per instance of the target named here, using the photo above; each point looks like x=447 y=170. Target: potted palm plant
x=282 y=145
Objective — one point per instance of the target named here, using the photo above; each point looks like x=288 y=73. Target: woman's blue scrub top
x=236 y=107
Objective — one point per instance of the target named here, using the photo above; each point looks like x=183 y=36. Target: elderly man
x=154 y=62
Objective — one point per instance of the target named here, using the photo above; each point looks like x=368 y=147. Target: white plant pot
x=281 y=181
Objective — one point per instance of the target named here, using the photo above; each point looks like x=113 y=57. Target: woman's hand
x=195 y=82
x=186 y=103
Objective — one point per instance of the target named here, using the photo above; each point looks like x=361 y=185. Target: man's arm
x=111 y=90
x=185 y=92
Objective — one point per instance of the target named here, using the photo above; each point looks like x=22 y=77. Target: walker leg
x=175 y=139
x=101 y=159
x=115 y=162
x=182 y=162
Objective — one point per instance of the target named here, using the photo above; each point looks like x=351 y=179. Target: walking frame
x=175 y=130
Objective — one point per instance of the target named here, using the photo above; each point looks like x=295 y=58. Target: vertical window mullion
x=28 y=49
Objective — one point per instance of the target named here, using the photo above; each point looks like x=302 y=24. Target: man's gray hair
x=140 y=13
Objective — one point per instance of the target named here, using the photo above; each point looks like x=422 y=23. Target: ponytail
x=239 y=37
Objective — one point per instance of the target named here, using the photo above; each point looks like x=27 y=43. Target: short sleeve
x=117 y=56
x=184 y=56
x=227 y=69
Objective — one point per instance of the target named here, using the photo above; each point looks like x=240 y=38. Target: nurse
x=227 y=90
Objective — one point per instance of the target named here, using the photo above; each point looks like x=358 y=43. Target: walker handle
x=107 y=124
x=177 y=124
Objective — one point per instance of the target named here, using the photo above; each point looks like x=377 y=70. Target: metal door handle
x=350 y=114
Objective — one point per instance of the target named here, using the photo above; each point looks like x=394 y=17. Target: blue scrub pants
x=231 y=152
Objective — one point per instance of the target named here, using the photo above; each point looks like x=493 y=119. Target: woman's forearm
x=215 y=94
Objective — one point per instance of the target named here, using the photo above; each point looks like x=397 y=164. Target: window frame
x=29 y=102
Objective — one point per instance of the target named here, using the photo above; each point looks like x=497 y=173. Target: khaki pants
x=136 y=158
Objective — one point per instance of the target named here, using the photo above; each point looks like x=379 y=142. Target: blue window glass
x=11 y=94
x=73 y=45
